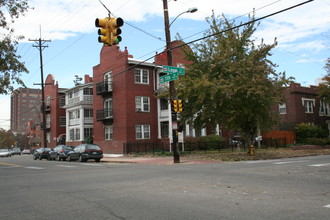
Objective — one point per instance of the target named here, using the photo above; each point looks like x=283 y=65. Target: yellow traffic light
x=109 y=30
x=104 y=30
x=175 y=105
x=180 y=107
x=115 y=31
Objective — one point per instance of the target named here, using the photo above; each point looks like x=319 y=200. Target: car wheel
x=69 y=158
x=40 y=158
x=34 y=157
x=97 y=160
x=81 y=159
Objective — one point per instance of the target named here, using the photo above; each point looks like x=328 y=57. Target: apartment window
x=324 y=108
x=88 y=91
x=88 y=132
x=77 y=136
x=74 y=114
x=88 y=113
x=108 y=108
x=164 y=129
x=108 y=132
x=142 y=131
x=141 y=76
x=142 y=104
x=163 y=104
x=62 y=102
x=62 y=121
x=71 y=134
x=282 y=109
x=308 y=104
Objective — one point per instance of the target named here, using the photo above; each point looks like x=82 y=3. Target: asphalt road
x=295 y=188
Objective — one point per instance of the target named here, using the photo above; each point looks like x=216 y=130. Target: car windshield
x=93 y=147
x=67 y=148
x=3 y=150
x=48 y=149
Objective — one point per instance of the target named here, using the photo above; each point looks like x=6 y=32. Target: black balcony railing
x=103 y=87
x=104 y=114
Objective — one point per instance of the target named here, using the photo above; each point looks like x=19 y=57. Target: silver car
x=5 y=153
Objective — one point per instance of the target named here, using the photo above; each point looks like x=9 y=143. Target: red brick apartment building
x=55 y=113
x=303 y=106
x=25 y=107
x=125 y=106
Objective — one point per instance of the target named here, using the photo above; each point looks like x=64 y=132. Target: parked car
x=5 y=153
x=84 y=152
x=26 y=151
x=17 y=151
x=42 y=153
x=60 y=152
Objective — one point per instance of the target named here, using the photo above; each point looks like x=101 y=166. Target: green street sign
x=168 y=77
x=173 y=69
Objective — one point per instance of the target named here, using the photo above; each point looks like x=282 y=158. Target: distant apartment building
x=25 y=107
x=303 y=105
x=55 y=112
x=79 y=113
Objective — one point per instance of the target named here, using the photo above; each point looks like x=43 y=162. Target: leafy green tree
x=10 y=66
x=7 y=139
x=324 y=88
x=230 y=80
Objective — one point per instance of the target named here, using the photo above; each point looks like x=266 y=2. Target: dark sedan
x=42 y=153
x=60 y=152
x=84 y=152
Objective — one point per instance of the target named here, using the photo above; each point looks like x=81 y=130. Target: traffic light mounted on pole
x=177 y=105
x=109 y=30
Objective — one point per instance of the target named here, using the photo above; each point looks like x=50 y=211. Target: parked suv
x=60 y=152
x=17 y=151
x=42 y=153
x=84 y=152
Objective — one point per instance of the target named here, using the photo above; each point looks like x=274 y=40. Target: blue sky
x=303 y=34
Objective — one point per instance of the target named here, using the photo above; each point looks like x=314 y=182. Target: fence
x=215 y=146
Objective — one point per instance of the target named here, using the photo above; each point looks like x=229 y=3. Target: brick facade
x=54 y=111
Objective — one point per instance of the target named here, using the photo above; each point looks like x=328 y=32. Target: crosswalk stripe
x=320 y=165
x=288 y=162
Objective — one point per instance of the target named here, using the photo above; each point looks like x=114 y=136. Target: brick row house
x=303 y=106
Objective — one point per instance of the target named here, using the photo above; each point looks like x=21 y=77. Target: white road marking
x=320 y=165
x=288 y=162
x=327 y=206
x=65 y=166
x=36 y=168
x=92 y=164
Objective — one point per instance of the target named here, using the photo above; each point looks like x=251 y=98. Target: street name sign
x=168 y=77
x=173 y=69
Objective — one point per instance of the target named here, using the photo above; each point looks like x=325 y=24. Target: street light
x=190 y=10
x=175 y=147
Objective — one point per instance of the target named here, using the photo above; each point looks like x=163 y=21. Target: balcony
x=104 y=88
x=104 y=114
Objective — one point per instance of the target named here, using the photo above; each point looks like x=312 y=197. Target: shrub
x=212 y=142
x=316 y=141
x=304 y=131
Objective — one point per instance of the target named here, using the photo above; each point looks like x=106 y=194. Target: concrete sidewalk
x=152 y=160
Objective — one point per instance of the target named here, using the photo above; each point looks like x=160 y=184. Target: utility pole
x=175 y=145
x=40 y=46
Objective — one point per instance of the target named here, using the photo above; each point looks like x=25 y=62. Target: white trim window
x=308 y=104
x=141 y=76
x=282 y=109
x=142 y=132
x=108 y=132
x=142 y=104
x=324 y=108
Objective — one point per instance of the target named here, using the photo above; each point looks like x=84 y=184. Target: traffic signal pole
x=175 y=144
